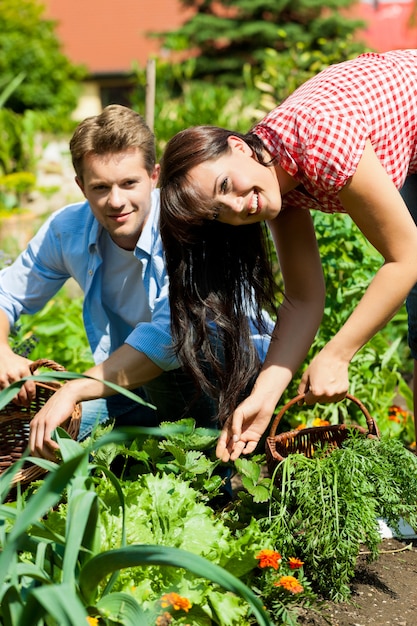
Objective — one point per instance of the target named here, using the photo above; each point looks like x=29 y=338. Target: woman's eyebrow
x=216 y=185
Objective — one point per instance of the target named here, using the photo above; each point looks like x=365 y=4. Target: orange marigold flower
x=394 y=408
x=176 y=601
x=393 y=417
x=92 y=621
x=319 y=422
x=269 y=558
x=301 y=427
x=295 y=563
x=395 y=413
x=290 y=583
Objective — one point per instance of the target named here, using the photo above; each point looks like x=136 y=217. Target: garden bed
x=383 y=592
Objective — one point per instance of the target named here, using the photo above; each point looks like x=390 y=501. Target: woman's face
x=243 y=190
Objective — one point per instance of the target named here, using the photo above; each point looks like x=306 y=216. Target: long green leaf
x=11 y=607
x=6 y=395
x=82 y=510
x=6 y=479
x=9 y=89
x=32 y=571
x=116 y=484
x=122 y=608
x=139 y=555
x=46 y=497
x=57 y=601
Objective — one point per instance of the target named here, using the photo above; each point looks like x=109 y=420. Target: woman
x=345 y=141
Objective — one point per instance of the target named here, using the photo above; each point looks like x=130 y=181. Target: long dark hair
x=219 y=274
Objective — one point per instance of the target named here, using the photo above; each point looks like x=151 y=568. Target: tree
x=227 y=35
x=29 y=47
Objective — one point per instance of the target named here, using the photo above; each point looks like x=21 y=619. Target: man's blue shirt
x=67 y=245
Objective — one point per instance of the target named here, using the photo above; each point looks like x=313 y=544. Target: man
x=110 y=244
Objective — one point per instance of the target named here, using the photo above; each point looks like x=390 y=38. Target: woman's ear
x=237 y=144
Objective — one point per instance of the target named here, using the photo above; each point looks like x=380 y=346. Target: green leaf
x=6 y=395
x=249 y=468
x=122 y=608
x=45 y=498
x=260 y=493
x=11 y=607
x=57 y=601
x=81 y=512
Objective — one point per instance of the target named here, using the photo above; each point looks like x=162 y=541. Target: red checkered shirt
x=318 y=133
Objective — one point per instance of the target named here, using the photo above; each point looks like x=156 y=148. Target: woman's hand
x=243 y=430
x=326 y=379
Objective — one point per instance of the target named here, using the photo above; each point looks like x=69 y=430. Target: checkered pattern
x=318 y=134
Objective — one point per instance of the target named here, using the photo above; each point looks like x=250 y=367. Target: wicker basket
x=15 y=422
x=306 y=440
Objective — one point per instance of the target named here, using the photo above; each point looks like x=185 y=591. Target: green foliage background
x=233 y=33
x=29 y=45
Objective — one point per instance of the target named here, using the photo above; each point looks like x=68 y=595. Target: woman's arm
x=377 y=208
x=298 y=320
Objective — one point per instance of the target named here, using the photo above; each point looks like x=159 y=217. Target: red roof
x=109 y=36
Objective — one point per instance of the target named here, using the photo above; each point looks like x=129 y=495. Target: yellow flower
x=269 y=558
x=290 y=583
x=319 y=422
x=92 y=621
x=176 y=601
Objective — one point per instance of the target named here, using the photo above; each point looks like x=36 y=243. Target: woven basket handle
x=370 y=422
x=46 y=363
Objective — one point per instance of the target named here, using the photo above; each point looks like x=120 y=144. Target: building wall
x=390 y=24
x=108 y=36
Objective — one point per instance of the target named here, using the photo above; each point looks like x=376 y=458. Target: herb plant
x=329 y=505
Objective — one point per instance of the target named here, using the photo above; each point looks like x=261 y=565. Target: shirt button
x=90 y=272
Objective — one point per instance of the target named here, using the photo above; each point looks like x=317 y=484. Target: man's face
x=118 y=188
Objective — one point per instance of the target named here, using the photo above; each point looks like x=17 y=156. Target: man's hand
x=55 y=412
x=13 y=368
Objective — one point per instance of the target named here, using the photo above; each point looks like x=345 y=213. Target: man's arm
x=126 y=367
x=12 y=366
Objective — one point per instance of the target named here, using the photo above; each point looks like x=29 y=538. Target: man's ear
x=155 y=175
x=80 y=184
x=237 y=144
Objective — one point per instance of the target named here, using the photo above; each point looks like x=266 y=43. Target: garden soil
x=384 y=592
